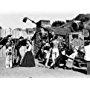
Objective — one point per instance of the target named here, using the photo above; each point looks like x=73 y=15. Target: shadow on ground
x=84 y=71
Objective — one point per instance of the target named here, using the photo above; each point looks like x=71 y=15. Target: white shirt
x=22 y=50
x=87 y=53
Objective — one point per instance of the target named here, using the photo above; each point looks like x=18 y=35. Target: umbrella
x=8 y=36
x=21 y=37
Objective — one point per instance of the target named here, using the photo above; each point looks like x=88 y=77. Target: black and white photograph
x=45 y=48
x=44 y=44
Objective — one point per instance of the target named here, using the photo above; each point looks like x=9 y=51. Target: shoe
x=52 y=67
x=7 y=66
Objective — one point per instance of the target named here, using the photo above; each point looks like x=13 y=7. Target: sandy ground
x=37 y=72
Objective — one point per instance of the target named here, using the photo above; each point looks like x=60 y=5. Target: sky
x=13 y=11
x=14 y=20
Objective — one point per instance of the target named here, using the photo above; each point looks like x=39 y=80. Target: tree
x=82 y=17
x=57 y=23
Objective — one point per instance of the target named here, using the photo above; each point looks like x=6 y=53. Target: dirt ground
x=37 y=72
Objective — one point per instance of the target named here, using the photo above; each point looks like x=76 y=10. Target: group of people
x=19 y=52
x=53 y=52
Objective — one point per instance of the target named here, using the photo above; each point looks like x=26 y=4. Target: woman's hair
x=21 y=37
